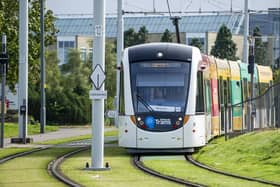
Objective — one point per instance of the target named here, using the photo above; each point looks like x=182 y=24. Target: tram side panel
x=195 y=129
x=127 y=132
x=215 y=122
x=127 y=128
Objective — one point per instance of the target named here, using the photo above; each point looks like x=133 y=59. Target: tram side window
x=121 y=100
x=199 y=93
x=208 y=96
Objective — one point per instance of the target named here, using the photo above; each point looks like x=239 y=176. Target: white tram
x=158 y=92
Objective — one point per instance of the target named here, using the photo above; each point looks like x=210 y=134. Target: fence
x=258 y=113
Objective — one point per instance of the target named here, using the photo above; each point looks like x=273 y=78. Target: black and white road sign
x=98 y=77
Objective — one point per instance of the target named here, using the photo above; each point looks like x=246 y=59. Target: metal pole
x=175 y=21
x=3 y=71
x=246 y=32
x=23 y=66
x=251 y=61
x=97 y=149
x=120 y=39
x=43 y=78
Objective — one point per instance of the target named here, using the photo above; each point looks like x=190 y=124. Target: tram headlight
x=159 y=54
x=138 y=119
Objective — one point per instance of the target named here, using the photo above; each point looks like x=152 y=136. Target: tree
x=196 y=42
x=224 y=47
x=129 y=37
x=68 y=102
x=166 y=37
x=133 y=38
x=110 y=70
x=9 y=24
x=54 y=91
x=276 y=76
x=259 y=49
x=142 y=35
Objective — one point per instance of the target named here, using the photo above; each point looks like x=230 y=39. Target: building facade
x=77 y=32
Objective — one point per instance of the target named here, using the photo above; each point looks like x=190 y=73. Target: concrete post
x=23 y=67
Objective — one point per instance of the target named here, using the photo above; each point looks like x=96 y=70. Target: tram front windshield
x=160 y=86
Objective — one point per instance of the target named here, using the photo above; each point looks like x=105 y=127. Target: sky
x=86 y=6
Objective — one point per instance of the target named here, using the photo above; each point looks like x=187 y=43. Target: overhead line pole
x=23 y=69
x=4 y=64
x=98 y=77
x=246 y=32
x=245 y=55
x=120 y=40
x=43 y=77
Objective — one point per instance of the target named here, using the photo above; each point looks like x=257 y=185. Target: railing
x=260 y=112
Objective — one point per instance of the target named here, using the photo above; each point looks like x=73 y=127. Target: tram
x=173 y=98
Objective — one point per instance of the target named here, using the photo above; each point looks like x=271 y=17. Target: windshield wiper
x=144 y=102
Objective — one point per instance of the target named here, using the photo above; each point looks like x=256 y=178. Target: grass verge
x=181 y=169
x=31 y=170
x=122 y=172
x=11 y=129
x=10 y=151
x=256 y=154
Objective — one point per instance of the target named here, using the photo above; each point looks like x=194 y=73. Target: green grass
x=10 y=151
x=181 y=169
x=76 y=138
x=122 y=172
x=31 y=170
x=11 y=129
x=112 y=133
x=64 y=140
x=255 y=154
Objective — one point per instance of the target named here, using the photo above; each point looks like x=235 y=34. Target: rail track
x=17 y=155
x=54 y=167
x=198 y=164
x=137 y=162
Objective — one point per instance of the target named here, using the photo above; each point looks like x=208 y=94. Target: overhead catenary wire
x=168 y=6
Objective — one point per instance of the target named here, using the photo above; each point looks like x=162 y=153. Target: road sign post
x=98 y=94
x=3 y=62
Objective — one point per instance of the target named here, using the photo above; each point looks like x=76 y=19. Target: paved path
x=61 y=133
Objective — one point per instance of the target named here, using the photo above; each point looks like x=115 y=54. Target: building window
x=63 y=50
x=83 y=54
x=90 y=55
x=60 y=44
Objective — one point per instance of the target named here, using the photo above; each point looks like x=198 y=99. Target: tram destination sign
x=98 y=77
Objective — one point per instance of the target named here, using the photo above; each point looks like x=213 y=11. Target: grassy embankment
x=256 y=154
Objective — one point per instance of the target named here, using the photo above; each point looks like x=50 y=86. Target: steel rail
x=17 y=155
x=198 y=164
x=137 y=163
x=54 y=168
